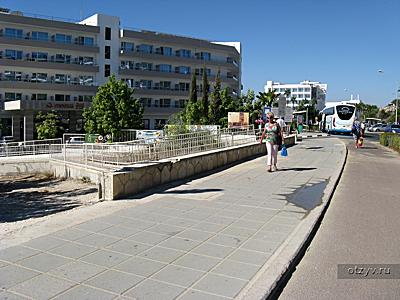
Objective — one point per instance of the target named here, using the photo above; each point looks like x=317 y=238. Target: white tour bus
x=338 y=117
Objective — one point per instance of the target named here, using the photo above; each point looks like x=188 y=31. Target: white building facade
x=305 y=90
x=56 y=65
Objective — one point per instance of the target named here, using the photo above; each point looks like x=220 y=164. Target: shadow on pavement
x=192 y=191
x=298 y=169
x=314 y=148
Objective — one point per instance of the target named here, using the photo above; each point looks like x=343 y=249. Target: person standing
x=281 y=123
x=356 y=131
x=272 y=132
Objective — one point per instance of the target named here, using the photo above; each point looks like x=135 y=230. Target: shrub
x=391 y=140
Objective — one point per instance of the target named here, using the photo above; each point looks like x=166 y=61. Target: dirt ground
x=36 y=195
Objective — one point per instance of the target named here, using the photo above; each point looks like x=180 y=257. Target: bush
x=391 y=140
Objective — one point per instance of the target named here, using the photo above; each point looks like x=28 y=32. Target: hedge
x=391 y=140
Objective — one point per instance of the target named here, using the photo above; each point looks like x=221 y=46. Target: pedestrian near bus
x=273 y=134
x=356 y=131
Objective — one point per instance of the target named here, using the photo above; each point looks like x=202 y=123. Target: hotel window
x=107 y=52
x=167 y=51
x=300 y=89
x=144 y=84
x=183 y=53
x=203 y=55
x=146 y=123
x=13 y=54
x=13 y=76
x=12 y=97
x=107 y=33
x=107 y=70
x=86 y=80
x=163 y=85
x=144 y=66
x=144 y=48
x=182 y=70
x=59 y=97
x=199 y=71
x=182 y=86
x=307 y=89
x=62 y=38
x=130 y=82
x=128 y=47
x=294 y=90
x=182 y=103
x=39 y=56
x=164 y=68
x=39 y=97
x=62 y=58
x=127 y=64
x=85 y=60
x=301 y=96
x=156 y=103
x=165 y=102
x=60 y=78
x=39 y=77
x=13 y=33
x=40 y=36
x=145 y=102
x=84 y=40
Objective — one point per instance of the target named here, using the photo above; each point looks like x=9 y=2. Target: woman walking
x=273 y=133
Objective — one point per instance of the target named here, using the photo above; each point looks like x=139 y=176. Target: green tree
x=48 y=125
x=229 y=104
x=113 y=108
x=193 y=89
x=216 y=101
x=204 y=99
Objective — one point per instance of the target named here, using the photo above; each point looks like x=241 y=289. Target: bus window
x=328 y=111
x=345 y=112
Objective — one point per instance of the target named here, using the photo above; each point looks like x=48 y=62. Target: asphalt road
x=361 y=226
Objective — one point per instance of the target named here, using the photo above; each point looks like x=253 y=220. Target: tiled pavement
x=202 y=240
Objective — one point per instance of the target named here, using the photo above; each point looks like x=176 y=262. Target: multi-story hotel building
x=305 y=90
x=56 y=65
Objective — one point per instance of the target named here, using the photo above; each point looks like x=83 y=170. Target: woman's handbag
x=284 y=151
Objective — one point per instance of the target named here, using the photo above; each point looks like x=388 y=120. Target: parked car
x=392 y=128
x=76 y=140
x=379 y=127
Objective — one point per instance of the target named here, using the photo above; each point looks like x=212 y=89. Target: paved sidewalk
x=361 y=226
x=207 y=239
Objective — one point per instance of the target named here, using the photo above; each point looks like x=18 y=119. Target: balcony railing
x=51 y=80
x=48 y=40
x=50 y=60
x=192 y=57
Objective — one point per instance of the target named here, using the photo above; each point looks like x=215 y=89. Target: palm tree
x=293 y=100
x=287 y=93
x=268 y=98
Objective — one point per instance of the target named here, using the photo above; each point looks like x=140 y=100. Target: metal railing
x=140 y=151
x=34 y=147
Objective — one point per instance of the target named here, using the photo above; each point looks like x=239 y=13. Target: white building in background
x=46 y=64
x=305 y=90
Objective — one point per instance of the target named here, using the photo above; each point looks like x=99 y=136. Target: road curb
x=271 y=279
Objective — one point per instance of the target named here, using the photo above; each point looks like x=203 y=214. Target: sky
x=343 y=43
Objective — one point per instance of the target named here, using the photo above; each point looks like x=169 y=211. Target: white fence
x=34 y=147
x=127 y=153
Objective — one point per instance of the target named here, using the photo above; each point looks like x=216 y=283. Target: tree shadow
x=21 y=205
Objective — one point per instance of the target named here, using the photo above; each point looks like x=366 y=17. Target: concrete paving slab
x=197 y=295
x=51 y=287
x=87 y=293
x=154 y=290
x=43 y=262
x=14 y=254
x=236 y=269
x=105 y=258
x=178 y=275
x=179 y=243
x=115 y=281
x=150 y=238
x=128 y=247
x=140 y=266
x=10 y=296
x=220 y=285
x=213 y=250
x=77 y=271
x=198 y=262
x=73 y=250
x=98 y=240
x=250 y=257
x=44 y=243
x=162 y=254
x=12 y=275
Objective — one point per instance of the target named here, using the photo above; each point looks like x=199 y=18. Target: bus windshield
x=345 y=112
